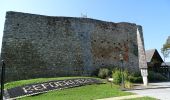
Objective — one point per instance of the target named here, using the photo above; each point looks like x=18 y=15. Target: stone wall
x=44 y=46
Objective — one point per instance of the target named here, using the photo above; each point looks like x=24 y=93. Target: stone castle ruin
x=43 y=46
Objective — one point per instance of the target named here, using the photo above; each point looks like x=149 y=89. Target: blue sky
x=153 y=15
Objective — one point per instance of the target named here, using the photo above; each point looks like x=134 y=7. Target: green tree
x=165 y=50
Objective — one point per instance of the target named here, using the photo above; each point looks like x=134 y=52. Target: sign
x=33 y=89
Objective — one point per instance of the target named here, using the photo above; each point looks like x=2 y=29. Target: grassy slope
x=38 y=80
x=87 y=92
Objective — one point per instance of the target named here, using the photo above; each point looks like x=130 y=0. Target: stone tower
x=45 y=46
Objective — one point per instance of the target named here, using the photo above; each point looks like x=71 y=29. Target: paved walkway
x=122 y=97
x=161 y=91
x=152 y=86
x=160 y=94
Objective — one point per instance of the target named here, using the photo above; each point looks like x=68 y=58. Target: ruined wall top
x=16 y=15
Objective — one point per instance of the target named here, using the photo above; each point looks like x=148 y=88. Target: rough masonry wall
x=43 y=46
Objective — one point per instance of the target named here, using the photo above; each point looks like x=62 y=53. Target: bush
x=129 y=78
x=117 y=78
x=116 y=75
x=135 y=77
x=154 y=76
x=103 y=73
x=128 y=84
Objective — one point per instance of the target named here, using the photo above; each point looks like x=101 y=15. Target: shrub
x=154 y=76
x=129 y=78
x=117 y=78
x=103 y=73
x=116 y=75
x=135 y=77
x=128 y=84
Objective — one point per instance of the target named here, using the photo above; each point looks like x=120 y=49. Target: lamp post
x=122 y=81
x=2 y=79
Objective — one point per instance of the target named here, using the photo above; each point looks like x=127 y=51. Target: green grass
x=38 y=80
x=88 y=92
x=143 y=98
